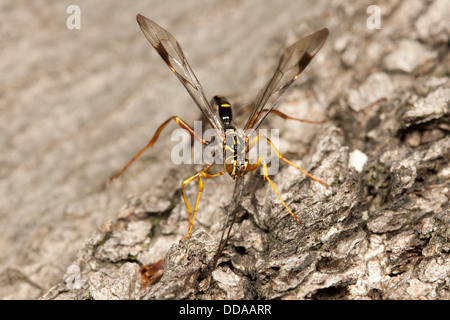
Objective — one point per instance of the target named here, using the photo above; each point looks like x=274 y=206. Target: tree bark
x=379 y=232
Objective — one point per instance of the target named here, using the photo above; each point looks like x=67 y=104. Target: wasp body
x=236 y=145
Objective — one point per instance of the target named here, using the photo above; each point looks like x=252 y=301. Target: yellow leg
x=198 y=175
x=255 y=166
x=255 y=140
x=266 y=176
x=261 y=159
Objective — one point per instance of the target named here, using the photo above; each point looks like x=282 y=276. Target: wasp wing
x=169 y=49
x=292 y=62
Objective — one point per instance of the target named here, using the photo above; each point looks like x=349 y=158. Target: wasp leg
x=255 y=140
x=253 y=167
x=285 y=116
x=198 y=175
x=180 y=122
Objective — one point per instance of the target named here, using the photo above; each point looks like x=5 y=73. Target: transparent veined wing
x=169 y=49
x=292 y=62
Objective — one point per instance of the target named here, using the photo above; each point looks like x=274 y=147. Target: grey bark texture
x=378 y=233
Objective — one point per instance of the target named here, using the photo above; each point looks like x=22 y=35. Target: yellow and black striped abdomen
x=234 y=153
x=234 y=147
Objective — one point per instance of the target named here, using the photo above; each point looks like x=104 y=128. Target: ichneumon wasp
x=236 y=145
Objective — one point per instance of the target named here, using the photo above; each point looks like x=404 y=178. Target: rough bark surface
x=379 y=233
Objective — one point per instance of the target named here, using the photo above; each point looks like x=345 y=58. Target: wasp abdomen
x=234 y=153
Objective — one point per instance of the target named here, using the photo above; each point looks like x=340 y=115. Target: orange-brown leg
x=179 y=121
x=285 y=116
x=198 y=175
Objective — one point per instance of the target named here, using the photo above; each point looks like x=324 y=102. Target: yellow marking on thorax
x=229 y=147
